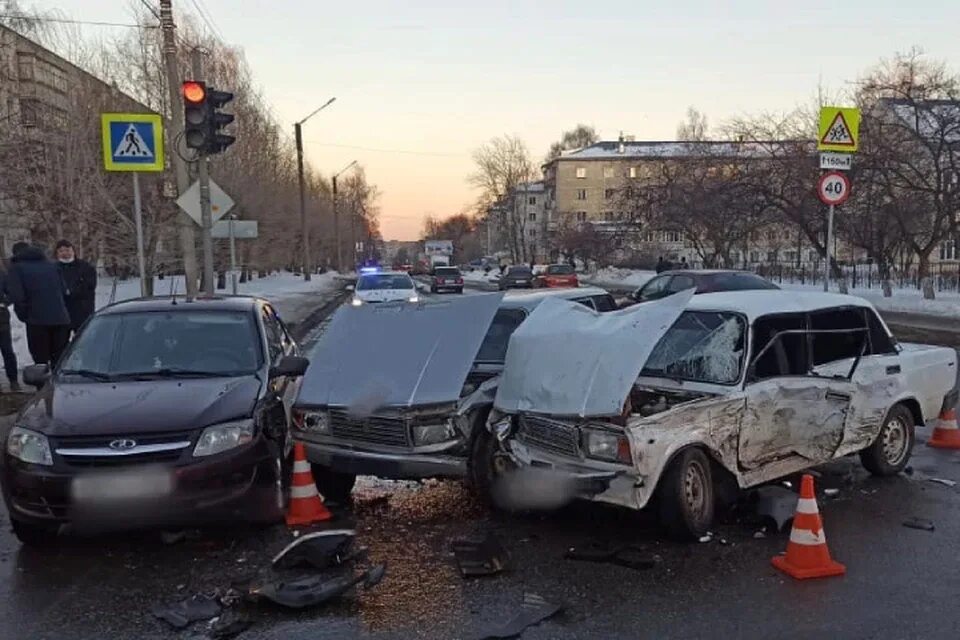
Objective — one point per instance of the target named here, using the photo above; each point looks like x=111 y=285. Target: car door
x=653 y=290
x=793 y=418
x=680 y=283
x=280 y=392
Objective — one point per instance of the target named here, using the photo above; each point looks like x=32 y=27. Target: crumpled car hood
x=396 y=355
x=568 y=360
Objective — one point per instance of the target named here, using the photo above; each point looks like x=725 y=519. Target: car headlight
x=608 y=446
x=29 y=446
x=222 y=437
x=414 y=298
x=502 y=427
x=311 y=421
x=425 y=434
x=356 y=302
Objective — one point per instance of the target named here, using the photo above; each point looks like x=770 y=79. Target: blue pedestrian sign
x=132 y=141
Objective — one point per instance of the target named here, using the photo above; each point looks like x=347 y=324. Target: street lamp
x=336 y=215
x=304 y=228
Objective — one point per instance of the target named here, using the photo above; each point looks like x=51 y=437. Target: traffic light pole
x=206 y=216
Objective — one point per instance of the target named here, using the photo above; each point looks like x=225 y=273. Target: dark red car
x=446 y=279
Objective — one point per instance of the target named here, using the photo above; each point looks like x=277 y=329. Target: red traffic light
x=194 y=92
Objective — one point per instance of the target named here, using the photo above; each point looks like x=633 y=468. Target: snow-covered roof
x=531 y=187
x=755 y=304
x=610 y=149
x=934 y=119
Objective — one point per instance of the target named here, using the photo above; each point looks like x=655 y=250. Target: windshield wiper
x=87 y=373
x=175 y=372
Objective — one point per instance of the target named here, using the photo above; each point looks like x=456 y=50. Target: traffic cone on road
x=306 y=507
x=807 y=554
x=946 y=435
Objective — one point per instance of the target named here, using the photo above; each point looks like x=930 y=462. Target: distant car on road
x=385 y=286
x=446 y=279
x=704 y=281
x=518 y=276
x=163 y=412
x=558 y=275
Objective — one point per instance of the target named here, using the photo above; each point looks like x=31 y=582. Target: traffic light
x=218 y=141
x=196 y=130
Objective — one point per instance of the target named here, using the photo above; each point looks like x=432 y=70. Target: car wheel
x=35 y=535
x=890 y=452
x=433 y=289
x=481 y=466
x=333 y=485
x=686 y=496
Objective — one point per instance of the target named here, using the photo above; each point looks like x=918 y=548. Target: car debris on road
x=533 y=610
x=312 y=590
x=483 y=557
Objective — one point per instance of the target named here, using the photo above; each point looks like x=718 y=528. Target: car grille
x=386 y=430
x=553 y=436
x=81 y=451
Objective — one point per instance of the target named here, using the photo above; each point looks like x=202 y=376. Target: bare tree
x=694 y=128
x=580 y=136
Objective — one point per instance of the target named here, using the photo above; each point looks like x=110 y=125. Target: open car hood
x=568 y=360
x=397 y=355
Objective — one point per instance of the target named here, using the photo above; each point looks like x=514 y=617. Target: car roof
x=530 y=299
x=706 y=272
x=764 y=302
x=182 y=303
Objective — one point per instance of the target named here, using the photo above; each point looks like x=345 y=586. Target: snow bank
x=910 y=300
x=289 y=293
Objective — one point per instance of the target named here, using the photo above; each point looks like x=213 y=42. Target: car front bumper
x=238 y=485
x=345 y=458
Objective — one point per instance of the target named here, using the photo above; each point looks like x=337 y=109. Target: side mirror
x=290 y=366
x=36 y=375
x=349 y=287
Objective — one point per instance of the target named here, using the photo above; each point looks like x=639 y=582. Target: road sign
x=836 y=161
x=132 y=141
x=833 y=188
x=242 y=229
x=839 y=129
x=220 y=202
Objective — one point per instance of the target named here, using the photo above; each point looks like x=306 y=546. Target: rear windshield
x=559 y=270
x=494 y=345
x=733 y=282
x=447 y=272
x=375 y=281
x=519 y=271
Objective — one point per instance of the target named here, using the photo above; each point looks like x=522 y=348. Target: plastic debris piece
x=706 y=538
x=777 y=503
x=484 y=557
x=919 y=523
x=831 y=492
x=319 y=550
x=229 y=624
x=313 y=590
x=533 y=610
x=943 y=481
x=181 y=614
x=759 y=535
x=629 y=556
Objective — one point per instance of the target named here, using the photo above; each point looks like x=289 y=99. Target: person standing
x=6 y=338
x=37 y=292
x=80 y=279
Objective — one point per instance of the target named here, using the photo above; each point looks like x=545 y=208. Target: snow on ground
x=479 y=276
x=292 y=297
x=910 y=300
x=619 y=278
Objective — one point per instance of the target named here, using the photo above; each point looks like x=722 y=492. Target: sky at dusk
x=421 y=84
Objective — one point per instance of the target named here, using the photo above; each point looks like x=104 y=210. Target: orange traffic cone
x=946 y=435
x=807 y=553
x=306 y=507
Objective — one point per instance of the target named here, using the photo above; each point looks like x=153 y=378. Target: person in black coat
x=6 y=338
x=37 y=292
x=80 y=279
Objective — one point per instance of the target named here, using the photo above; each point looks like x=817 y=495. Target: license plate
x=141 y=484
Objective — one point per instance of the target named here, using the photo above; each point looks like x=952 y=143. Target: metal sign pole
x=829 y=252
x=138 y=220
x=233 y=257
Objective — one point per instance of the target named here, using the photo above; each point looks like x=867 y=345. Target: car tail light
x=459 y=281
x=441 y=281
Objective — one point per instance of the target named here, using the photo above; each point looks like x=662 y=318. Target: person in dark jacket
x=80 y=279
x=37 y=292
x=6 y=338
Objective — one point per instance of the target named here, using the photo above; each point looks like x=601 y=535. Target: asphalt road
x=900 y=582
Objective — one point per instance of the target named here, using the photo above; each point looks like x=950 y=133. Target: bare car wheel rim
x=894 y=441
x=694 y=489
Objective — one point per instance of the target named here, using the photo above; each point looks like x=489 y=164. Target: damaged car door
x=794 y=417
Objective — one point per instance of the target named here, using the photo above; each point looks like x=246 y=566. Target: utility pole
x=304 y=227
x=336 y=225
x=174 y=129
x=203 y=177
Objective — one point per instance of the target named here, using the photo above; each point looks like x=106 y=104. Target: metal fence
x=945 y=276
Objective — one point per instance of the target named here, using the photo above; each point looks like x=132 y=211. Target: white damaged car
x=663 y=403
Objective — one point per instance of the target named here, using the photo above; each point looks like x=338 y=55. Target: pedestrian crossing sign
x=132 y=141
x=839 y=129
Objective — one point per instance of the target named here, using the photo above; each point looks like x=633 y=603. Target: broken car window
x=494 y=345
x=880 y=340
x=830 y=347
x=702 y=346
x=788 y=355
x=604 y=303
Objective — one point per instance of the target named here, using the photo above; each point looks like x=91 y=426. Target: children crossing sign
x=132 y=141
x=839 y=129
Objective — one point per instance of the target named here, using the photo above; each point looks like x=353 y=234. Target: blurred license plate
x=122 y=485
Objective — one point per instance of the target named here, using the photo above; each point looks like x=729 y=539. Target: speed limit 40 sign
x=833 y=188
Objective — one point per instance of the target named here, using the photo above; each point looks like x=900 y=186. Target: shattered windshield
x=701 y=346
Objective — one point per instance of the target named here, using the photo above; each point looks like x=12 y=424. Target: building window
x=609 y=193
x=948 y=250
x=581 y=194
x=28 y=112
x=581 y=216
x=754 y=256
x=532 y=232
x=532 y=217
x=648 y=236
x=581 y=172
x=608 y=215
x=771 y=235
x=671 y=236
x=532 y=200
x=608 y=172
x=25 y=66
x=632 y=172
x=772 y=256
x=790 y=256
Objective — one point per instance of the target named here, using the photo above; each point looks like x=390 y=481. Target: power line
x=213 y=22
x=150 y=9
x=85 y=22
x=207 y=20
x=403 y=151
